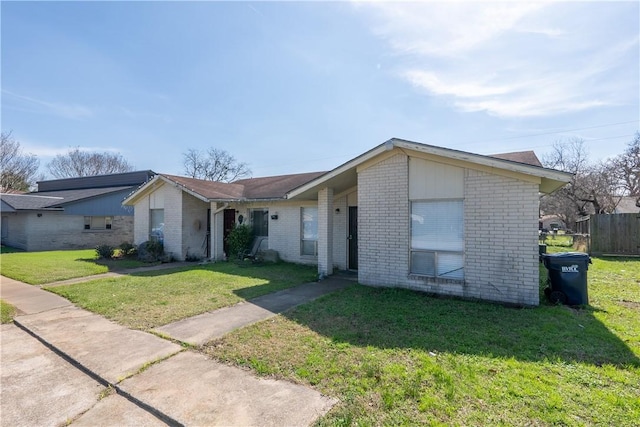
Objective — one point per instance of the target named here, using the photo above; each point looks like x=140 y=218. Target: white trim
x=541 y=172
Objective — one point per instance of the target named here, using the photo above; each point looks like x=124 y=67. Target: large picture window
x=309 y=232
x=97 y=222
x=156 y=224
x=437 y=238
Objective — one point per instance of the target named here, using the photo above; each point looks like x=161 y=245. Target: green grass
x=562 y=240
x=38 y=268
x=396 y=357
x=147 y=300
x=7 y=312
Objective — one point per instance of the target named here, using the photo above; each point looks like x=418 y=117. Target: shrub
x=127 y=249
x=239 y=240
x=151 y=251
x=105 y=251
x=192 y=257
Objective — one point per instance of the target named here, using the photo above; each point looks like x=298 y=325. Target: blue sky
x=304 y=86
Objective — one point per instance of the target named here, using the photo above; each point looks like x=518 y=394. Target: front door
x=229 y=222
x=353 y=238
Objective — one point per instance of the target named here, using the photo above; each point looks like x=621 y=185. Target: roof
x=55 y=199
x=126 y=179
x=275 y=187
x=306 y=185
x=264 y=188
x=526 y=157
x=345 y=176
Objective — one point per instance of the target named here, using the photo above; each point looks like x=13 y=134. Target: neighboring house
x=72 y=213
x=628 y=204
x=403 y=214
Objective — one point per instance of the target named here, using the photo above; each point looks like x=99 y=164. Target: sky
x=291 y=87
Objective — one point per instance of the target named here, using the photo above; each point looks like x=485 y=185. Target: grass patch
x=7 y=312
x=396 y=357
x=38 y=268
x=155 y=298
x=562 y=240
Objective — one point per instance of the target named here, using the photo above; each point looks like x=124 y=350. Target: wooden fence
x=615 y=234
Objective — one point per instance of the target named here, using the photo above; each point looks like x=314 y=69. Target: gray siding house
x=403 y=214
x=72 y=213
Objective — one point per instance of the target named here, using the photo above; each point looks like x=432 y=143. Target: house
x=403 y=214
x=628 y=204
x=71 y=213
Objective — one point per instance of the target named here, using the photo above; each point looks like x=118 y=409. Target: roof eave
x=551 y=179
x=386 y=146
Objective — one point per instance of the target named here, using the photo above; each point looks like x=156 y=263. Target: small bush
x=239 y=240
x=127 y=249
x=193 y=258
x=151 y=251
x=105 y=251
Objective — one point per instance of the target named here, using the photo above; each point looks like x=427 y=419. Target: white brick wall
x=501 y=251
x=383 y=222
x=501 y=223
x=325 y=232
x=284 y=232
x=141 y=221
x=194 y=226
x=172 y=220
x=340 y=225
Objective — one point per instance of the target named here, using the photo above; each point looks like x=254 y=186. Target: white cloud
x=69 y=111
x=513 y=59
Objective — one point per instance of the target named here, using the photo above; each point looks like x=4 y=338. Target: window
x=156 y=224
x=437 y=239
x=97 y=222
x=309 y=241
x=260 y=222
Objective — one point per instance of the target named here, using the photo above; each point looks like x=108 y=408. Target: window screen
x=437 y=238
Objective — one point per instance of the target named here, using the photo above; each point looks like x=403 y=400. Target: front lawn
x=396 y=357
x=38 y=268
x=155 y=298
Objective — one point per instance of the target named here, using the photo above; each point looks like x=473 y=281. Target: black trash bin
x=567 y=277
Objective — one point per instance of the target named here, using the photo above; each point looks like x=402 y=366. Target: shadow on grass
x=397 y=318
x=118 y=264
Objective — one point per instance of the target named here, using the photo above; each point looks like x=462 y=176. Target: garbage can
x=567 y=277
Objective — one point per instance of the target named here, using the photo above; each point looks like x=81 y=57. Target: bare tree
x=592 y=189
x=214 y=165
x=18 y=170
x=77 y=163
x=626 y=168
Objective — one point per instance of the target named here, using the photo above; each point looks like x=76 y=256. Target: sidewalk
x=156 y=376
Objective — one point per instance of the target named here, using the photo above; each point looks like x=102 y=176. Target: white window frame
x=312 y=238
x=442 y=251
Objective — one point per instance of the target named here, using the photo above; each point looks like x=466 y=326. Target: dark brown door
x=229 y=222
x=353 y=238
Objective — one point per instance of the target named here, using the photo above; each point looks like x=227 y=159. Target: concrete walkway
x=205 y=327
x=156 y=382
